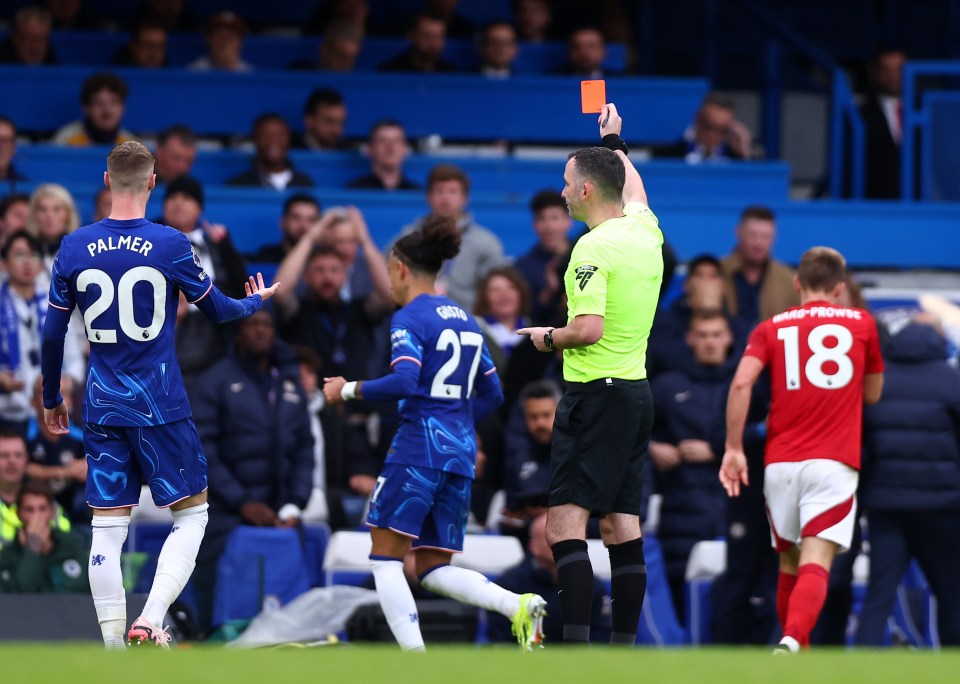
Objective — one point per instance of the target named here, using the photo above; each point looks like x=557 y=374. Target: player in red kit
x=825 y=363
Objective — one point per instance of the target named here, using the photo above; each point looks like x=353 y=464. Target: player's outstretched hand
x=733 y=472
x=56 y=419
x=253 y=287
x=610 y=121
x=332 y=387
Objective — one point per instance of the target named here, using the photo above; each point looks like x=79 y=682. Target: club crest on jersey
x=584 y=274
x=196 y=256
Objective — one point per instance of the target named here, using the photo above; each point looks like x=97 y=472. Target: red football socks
x=806 y=602
x=785 y=585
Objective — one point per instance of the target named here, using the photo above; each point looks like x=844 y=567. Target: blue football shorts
x=429 y=505
x=168 y=458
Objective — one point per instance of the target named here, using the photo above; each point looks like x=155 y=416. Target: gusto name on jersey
x=446 y=312
x=818 y=312
x=134 y=244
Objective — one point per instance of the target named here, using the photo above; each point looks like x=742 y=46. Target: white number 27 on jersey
x=449 y=339
x=813 y=369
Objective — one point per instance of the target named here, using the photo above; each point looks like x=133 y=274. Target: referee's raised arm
x=610 y=126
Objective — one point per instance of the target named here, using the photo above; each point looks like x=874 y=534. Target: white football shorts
x=815 y=498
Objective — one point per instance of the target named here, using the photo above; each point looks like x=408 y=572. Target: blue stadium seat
x=316 y=536
x=226 y=103
x=707 y=560
x=658 y=620
x=258 y=562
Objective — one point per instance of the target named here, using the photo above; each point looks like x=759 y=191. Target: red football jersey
x=818 y=354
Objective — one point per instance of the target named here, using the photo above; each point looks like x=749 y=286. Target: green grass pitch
x=382 y=664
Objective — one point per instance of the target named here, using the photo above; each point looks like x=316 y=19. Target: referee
x=603 y=422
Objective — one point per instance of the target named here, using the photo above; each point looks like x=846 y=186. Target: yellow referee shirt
x=615 y=271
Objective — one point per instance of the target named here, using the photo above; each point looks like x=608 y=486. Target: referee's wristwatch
x=548 y=340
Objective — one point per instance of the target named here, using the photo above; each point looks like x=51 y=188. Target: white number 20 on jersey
x=813 y=369
x=123 y=293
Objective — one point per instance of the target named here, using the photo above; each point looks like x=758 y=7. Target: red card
x=593 y=95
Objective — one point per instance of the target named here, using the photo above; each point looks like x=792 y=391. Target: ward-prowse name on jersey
x=134 y=244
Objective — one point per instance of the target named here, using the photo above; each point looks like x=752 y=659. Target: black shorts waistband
x=606 y=381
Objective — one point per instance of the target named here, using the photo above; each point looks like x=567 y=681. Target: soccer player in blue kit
x=439 y=359
x=125 y=274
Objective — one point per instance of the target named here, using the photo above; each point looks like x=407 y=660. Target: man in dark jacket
x=42 y=558
x=882 y=113
x=271 y=166
x=687 y=440
x=910 y=486
x=251 y=415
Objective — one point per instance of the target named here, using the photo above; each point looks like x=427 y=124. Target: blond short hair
x=821 y=269
x=130 y=166
x=59 y=193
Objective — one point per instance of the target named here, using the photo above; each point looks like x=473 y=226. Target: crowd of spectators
x=278 y=457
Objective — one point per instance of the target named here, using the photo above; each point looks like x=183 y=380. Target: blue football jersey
x=436 y=428
x=125 y=276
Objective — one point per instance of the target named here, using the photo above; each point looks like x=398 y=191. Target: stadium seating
x=707 y=560
x=90 y=48
x=258 y=562
x=458 y=107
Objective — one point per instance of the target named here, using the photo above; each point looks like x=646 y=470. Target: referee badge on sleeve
x=584 y=274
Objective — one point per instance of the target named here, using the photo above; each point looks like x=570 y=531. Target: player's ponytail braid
x=437 y=240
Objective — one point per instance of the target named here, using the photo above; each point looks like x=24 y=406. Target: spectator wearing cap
x=224 y=38
x=271 y=166
x=104 y=97
x=183 y=210
x=29 y=41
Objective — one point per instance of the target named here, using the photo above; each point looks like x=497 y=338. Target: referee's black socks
x=628 y=585
x=575 y=575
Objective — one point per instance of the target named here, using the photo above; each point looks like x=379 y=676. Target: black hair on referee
x=425 y=249
x=603 y=168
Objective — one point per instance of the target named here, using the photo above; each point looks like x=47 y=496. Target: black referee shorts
x=600 y=438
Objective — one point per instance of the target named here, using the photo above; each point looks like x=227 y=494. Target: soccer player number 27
x=813 y=369
x=449 y=339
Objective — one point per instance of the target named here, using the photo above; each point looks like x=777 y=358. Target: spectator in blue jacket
x=260 y=461
x=687 y=440
x=527 y=453
x=910 y=485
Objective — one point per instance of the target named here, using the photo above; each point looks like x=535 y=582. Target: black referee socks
x=575 y=575
x=628 y=585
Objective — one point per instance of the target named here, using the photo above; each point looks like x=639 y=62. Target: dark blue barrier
x=874 y=234
x=464 y=107
x=752 y=182
x=86 y=48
